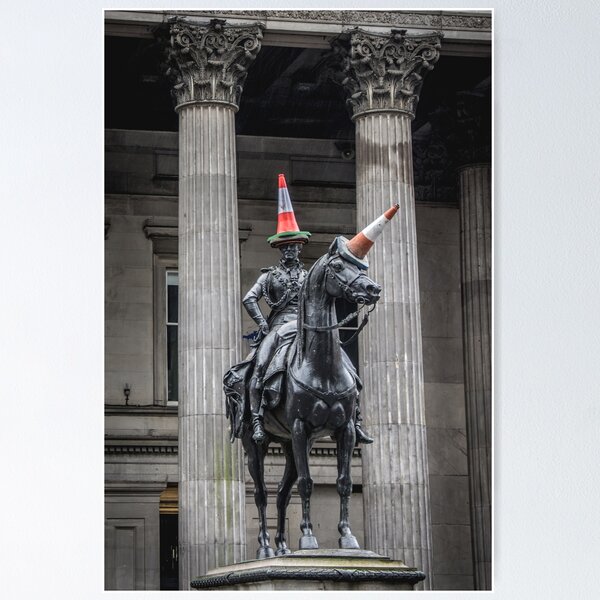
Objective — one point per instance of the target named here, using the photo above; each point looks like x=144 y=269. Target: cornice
x=479 y=20
x=168 y=445
x=321 y=451
x=140 y=411
x=140 y=449
x=468 y=33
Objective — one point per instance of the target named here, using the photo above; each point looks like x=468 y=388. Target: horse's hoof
x=282 y=551
x=348 y=542
x=308 y=542
x=265 y=552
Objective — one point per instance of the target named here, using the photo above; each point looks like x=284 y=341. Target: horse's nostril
x=374 y=289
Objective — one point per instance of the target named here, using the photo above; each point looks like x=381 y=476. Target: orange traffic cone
x=288 y=231
x=356 y=249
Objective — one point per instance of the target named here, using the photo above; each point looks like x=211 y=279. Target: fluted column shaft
x=383 y=75
x=211 y=487
x=395 y=471
x=208 y=66
x=476 y=255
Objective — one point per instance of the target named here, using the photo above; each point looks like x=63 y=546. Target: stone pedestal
x=314 y=570
x=476 y=254
x=383 y=76
x=208 y=65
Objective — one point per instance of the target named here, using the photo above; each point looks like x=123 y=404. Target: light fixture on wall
x=346 y=149
x=127 y=391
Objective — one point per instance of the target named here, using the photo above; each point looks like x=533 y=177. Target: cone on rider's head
x=288 y=231
x=356 y=249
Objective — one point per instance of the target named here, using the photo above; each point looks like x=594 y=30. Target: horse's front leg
x=283 y=499
x=256 y=461
x=346 y=439
x=301 y=449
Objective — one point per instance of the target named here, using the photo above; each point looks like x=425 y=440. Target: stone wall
x=133 y=194
x=438 y=234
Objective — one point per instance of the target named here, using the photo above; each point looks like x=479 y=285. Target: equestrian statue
x=297 y=384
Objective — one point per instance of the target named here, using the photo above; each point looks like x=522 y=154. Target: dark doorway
x=169 y=553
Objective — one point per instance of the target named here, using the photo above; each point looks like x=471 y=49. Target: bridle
x=346 y=288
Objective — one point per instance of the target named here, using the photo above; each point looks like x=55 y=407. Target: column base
x=314 y=570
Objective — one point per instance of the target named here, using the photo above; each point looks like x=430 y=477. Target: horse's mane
x=301 y=332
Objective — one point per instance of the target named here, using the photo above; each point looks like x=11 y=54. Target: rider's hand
x=264 y=329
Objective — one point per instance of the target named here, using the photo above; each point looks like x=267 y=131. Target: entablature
x=466 y=33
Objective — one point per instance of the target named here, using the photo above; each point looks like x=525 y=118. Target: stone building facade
x=190 y=200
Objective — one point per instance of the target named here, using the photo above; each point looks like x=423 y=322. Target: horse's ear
x=333 y=248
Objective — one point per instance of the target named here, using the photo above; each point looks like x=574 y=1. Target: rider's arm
x=251 y=299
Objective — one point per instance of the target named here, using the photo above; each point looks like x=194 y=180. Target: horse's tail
x=234 y=404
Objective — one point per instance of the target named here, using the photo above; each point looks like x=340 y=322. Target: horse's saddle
x=275 y=376
x=237 y=379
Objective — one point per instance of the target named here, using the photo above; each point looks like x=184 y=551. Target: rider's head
x=290 y=252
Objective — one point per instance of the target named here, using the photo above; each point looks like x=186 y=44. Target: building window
x=165 y=329
x=172 y=290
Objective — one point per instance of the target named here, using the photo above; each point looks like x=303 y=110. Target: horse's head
x=346 y=262
x=346 y=276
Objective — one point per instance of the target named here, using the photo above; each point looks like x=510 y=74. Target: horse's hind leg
x=256 y=460
x=301 y=448
x=284 y=493
x=345 y=445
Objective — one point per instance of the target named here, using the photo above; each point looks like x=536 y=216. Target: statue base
x=314 y=570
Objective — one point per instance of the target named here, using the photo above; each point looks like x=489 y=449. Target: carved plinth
x=314 y=570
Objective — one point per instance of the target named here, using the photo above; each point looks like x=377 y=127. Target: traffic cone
x=288 y=231
x=356 y=249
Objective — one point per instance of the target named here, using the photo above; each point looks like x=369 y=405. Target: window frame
x=162 y=264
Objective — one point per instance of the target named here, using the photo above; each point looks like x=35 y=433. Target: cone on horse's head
x=356 y=249
x=288 y=231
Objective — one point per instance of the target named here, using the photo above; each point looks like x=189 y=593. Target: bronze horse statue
x=311 y=390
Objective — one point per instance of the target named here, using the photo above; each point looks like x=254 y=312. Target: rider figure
x=279 y=286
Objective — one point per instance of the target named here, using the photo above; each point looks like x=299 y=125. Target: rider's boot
x=362 y=437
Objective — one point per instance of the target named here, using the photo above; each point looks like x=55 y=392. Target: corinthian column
x=208 y=65
x=384 y=75
x=475 y=241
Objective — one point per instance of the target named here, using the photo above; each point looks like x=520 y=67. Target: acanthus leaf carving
x=209 y=63
x=385 y=72
x=437 y=19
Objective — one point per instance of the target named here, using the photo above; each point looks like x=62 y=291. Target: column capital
x=385 y=72
x=209 y=63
